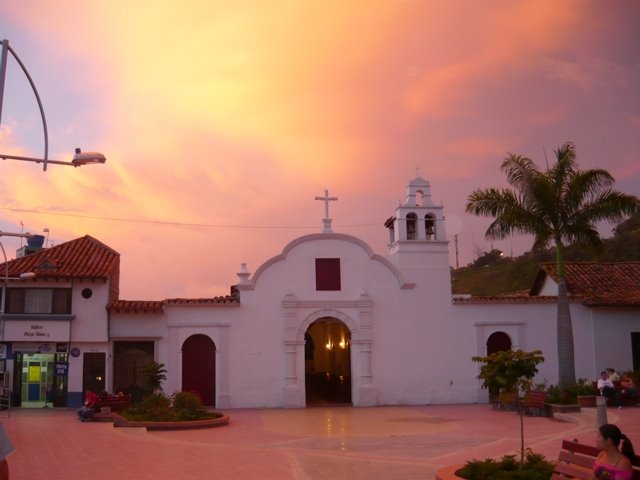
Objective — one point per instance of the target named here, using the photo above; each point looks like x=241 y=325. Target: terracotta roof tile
x=202 y=301
x=503 y=299
x=600 y=284
x=136 y=306
x=157 y=306
x=84 y=257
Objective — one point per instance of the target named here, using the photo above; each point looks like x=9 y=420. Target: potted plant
x=585 y=393
x=561 y=400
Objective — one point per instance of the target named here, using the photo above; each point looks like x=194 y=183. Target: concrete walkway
x=315 y=443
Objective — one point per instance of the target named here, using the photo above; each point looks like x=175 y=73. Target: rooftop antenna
x=21 y=231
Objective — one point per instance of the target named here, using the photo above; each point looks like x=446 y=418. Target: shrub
x=535 y=467
x=152 y=408
x=187 y=406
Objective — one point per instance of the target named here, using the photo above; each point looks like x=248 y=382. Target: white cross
x=327 y=221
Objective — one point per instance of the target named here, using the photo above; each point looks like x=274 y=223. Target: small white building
x=325 y=320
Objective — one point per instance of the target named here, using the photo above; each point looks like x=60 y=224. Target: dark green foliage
x=513 y=275
x=568 y=395
x=505 y=277
x=153 y=408
x=535 y=467
x=187 y=406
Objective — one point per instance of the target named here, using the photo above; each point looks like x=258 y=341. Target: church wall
x=612 y=337
x=533 y=327
x=295 y=276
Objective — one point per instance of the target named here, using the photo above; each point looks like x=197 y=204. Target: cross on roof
x=326 y=221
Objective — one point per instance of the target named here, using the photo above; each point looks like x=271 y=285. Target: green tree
x=510 y=371
x=561 y=206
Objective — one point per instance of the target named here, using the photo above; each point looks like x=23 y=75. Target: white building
x=326 y=320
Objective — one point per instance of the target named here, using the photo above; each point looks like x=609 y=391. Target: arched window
x=412 y=219
x=498 y=342
x=429 y=226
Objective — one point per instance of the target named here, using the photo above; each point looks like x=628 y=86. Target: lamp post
x=5 y=282
x=79 y=158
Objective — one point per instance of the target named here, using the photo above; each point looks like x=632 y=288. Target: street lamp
x=79 y=158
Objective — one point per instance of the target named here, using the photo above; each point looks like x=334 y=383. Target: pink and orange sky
x=221 y=115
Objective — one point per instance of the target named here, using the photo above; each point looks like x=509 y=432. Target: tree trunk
x=566 y=361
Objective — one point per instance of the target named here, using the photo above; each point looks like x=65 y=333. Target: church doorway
x=498 y=342
x=199 y=368
x=327 y=362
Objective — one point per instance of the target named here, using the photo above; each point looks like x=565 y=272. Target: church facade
x=327 y=320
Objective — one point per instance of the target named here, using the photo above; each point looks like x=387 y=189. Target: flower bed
x=120 y=421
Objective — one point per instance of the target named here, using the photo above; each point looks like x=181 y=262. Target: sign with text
x=37 y=331
x=61 y=369
x=33 y=347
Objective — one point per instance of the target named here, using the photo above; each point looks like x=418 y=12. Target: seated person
x=628 y=387
x=89 y=406
x=615 y=461
x=607 y=388
x=613 y=376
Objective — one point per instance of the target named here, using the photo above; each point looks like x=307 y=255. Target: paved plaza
x=334 y=443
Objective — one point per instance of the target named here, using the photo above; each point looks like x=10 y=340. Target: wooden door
x=199 y=368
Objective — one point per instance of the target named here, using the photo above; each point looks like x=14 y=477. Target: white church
x=326 y=320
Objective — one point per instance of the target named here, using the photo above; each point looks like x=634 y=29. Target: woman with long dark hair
x=617 y=457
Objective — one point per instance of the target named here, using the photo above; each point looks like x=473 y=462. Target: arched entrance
x=498 y=342
x=327 y=362
x=199 y=368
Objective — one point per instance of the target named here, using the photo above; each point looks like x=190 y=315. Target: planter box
x=587 y=401
x=552 y=408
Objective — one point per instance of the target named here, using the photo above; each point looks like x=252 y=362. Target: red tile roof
x=157 y=306
x=84 y=258
x=503 y=299
x=599 y=284
x=136 y=306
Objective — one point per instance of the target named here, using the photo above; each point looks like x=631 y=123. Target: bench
x=575 y=461
x=108 y=404
x=533 y=403
x=113 y=403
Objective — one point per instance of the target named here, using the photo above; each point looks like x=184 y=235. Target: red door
x=199 y=368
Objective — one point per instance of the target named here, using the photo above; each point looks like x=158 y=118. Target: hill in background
x=494 y=274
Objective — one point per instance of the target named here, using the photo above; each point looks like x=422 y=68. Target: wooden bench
x=533 y=403
x=114 y=403
x=575 y=461
x=109 y=404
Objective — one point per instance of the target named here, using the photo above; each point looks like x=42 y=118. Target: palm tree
x=559 y=205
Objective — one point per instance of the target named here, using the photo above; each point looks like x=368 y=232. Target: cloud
x=239 y=113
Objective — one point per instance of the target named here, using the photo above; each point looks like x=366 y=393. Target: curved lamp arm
x=3 y=66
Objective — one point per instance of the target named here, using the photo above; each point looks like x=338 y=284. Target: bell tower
x=416 y=231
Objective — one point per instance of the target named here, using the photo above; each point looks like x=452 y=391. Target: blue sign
x=62 y=369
